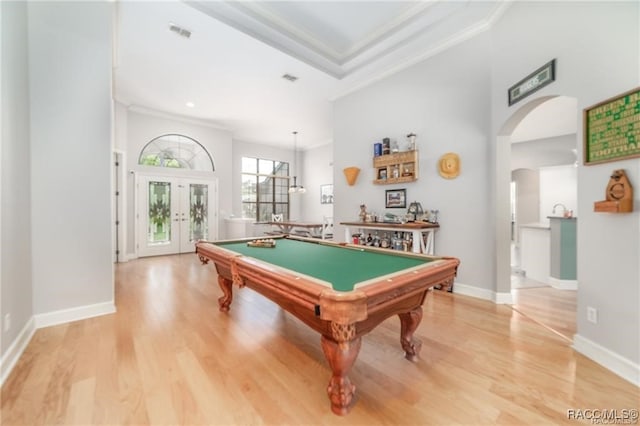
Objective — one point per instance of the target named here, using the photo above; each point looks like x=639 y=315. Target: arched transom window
x=176 y=151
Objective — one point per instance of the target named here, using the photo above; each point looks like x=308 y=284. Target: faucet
x=564 y=208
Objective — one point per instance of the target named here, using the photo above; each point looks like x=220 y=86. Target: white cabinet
x=534 y=251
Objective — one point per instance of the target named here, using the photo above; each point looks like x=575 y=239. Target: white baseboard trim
x=503 y=298
x=608 y=359
x=483 y=293
x=563 y=284
x=13 y=354
x=74 y=314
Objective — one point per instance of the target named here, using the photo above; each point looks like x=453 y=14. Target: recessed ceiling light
x=190 y=104
x=290 y=77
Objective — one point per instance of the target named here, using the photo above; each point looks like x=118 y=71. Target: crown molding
x=360 y=82
x=171 y=116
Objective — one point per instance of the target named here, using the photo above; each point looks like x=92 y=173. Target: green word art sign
x=612 y=129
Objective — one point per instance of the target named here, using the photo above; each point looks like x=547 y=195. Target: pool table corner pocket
x=343 y=308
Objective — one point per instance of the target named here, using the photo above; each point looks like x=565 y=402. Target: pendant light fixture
x=295 y=188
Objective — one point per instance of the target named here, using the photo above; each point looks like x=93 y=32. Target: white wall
x=596 y=45
x=142 y=126
x=456 y=101
x=452 y=103
x=558 y=185
x=15 y=207
x=527 y=196
x=445 y=102
x=70 y=98
x=317 y=169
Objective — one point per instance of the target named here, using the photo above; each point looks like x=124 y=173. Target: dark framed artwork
x=396 y=198
x=612 y=129
x=533 y=82
x=326 y=194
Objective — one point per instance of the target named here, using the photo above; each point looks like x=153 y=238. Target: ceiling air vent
x=290 y=77
x=179 y=30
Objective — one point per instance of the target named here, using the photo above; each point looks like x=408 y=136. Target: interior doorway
x=173 y=213
x=537 y=139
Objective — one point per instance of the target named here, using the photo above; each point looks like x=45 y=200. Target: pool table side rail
x=340 y=317
x=237 y=240
x=228 y=257
x=278 y=284
x=368 y=248
x=306 y=296
x=409 y=281
x=302 y=282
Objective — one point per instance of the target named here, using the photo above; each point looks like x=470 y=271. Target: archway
x=550 y=147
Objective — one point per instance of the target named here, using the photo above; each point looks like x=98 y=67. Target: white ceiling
x=231 y=67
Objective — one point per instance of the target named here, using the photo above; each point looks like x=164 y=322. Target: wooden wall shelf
x=399 y=167
x=624 y=206
x=619 y=195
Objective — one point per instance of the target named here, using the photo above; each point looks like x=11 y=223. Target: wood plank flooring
x=552 y=308
x=169 y=357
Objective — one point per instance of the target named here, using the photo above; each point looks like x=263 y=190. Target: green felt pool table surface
x=343 y=267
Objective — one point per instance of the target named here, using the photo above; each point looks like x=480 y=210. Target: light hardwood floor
x=552 y=308
x=168 y=356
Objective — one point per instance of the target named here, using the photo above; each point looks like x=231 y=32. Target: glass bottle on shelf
x=384 y=242
x=411 y=138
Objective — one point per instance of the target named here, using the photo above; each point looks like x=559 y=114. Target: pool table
x=340 y=290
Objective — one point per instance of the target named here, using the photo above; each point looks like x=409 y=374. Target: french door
x=174 y=213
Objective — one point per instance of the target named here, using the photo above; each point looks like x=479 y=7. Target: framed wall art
x=534 y=81
x=612 y=129
x=326 y=194
x=396 y=198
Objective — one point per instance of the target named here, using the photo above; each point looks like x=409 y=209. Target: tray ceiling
x=230 y=68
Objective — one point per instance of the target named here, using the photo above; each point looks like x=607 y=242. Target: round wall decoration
x=449 y=165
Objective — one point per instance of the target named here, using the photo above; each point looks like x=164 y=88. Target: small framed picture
x=326 y=194
x=396 y=198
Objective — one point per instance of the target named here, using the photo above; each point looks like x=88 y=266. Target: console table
x=418 y=229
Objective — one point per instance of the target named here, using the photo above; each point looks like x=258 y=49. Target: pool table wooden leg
x=226 y=286
x=341 y=356
x=409 y=322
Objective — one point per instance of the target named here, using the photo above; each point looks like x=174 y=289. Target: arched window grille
x=176 y=151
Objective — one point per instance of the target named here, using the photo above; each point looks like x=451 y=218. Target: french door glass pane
x=198 y=208
x=159 y=231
